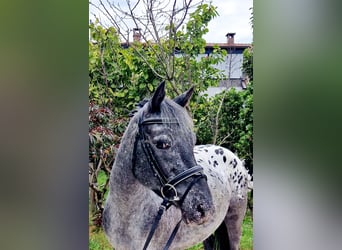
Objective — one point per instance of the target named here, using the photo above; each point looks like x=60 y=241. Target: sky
x=234 y=17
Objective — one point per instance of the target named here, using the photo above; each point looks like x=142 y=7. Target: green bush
x=227 y=120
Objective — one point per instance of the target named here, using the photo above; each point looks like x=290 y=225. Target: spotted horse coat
x=217 y=159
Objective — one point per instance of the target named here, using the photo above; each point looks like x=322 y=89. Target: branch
x=109 y=16
x=107 y=165
x=150 y=15
x=217 y=119
x=93 y=187
x=186 y=8
x=223 y=140
x=172 y=36
x=158 y=13
x=149 y=65
x=160 y=58
x=103 y=67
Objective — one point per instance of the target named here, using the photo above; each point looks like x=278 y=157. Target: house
x=231 y=66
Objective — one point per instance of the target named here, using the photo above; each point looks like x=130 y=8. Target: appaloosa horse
x=157 y=163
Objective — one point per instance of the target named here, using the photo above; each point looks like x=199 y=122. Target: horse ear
x=157 y=98
x=184 y=98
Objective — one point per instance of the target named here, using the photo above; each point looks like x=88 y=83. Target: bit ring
x=170 y=187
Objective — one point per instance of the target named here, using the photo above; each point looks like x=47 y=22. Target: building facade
x=232 y=64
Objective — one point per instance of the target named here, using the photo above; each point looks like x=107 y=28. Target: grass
x=98 y=240
x=197 y=247
x=246 y=242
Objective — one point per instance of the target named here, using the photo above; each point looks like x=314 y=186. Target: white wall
x=232 y=64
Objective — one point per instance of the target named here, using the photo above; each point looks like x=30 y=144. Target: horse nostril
x=200 y=209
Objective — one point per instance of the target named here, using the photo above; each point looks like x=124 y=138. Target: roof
x=229 y=46
x=210 y=45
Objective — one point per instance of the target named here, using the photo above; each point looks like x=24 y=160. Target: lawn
x=98 y=241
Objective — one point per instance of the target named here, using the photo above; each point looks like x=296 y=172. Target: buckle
x=170 y=187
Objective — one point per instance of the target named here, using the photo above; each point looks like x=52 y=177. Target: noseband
x=168 y=190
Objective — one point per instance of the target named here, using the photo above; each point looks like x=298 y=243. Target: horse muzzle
x=198 y=206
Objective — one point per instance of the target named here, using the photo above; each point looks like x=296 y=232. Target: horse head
x=163 y=158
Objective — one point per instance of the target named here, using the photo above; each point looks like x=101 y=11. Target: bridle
x=168 y=189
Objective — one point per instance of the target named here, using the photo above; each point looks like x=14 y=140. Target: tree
x=247 y=63
x=122 y=74
x=170 y=34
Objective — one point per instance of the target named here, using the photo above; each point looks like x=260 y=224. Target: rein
x=167 y=184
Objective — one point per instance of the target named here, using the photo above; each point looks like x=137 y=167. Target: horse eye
x=163 y=145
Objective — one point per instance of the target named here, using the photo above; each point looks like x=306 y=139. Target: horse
x=159 y=171
x=219 y=159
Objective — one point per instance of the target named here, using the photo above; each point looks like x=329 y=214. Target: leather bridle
x=168 y=189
